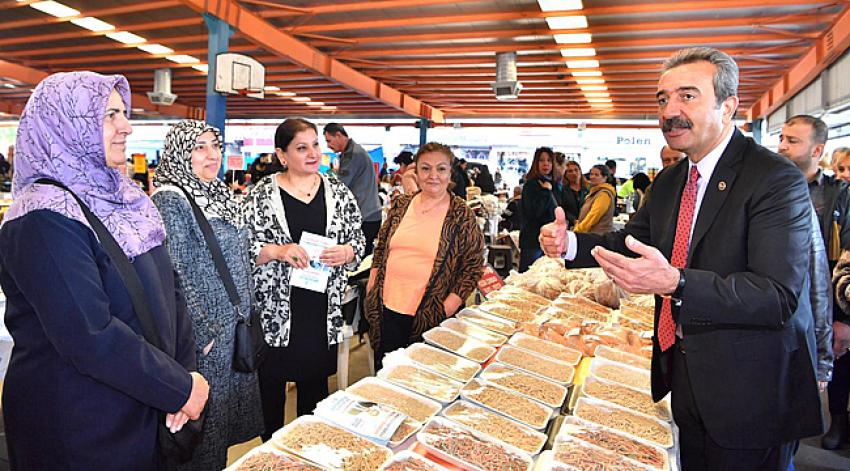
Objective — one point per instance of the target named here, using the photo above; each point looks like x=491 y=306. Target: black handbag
x=250 y=346
x=175 y=447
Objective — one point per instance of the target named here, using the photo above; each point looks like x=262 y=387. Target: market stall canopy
x=423 y=58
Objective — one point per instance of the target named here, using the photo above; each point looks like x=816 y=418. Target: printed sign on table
x=490 y=281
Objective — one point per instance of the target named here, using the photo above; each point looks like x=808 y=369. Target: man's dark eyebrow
x=688 y=88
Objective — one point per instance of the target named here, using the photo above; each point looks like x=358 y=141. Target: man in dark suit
x=722 y=242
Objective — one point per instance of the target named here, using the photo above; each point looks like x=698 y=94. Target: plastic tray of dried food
x=553 y=370
x=422 y=381
x=442 y=362
x=619 y=356
x=509 y=312
x=463 y=345
x=478 y=333
x=527 y=384
x=470 y=450
x=493 y=425
x=265 y=457
x=409 y=461
x=578 y=454
x=544 y=347
x=622 y=419
x=487 y=321
x=633 y=399
x=413 y=405
x=630 y=376
x=508 y=403
x=404 y=431
x=329 y=445
x=650 y=455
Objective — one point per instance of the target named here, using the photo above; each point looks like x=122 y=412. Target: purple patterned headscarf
x=60 y=136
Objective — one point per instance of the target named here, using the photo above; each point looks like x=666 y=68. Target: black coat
x=745 y=311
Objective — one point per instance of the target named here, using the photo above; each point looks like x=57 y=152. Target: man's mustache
x=676 y=122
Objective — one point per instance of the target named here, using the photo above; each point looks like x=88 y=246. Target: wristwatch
x=680 y=286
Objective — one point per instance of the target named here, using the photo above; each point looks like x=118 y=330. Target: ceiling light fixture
x=329 y=108
x=567 y=22
x=589 y=81
x=183 y=59
x=579 y=52
x=573 y=38
x=314 y=103
x=596 y=94
x=126 y=37
x=300 y=99
x=601 y=105
x=599 y=100
x=55 y=8
x=583 y=64
x=586 y=73
x=285 y=94
x=594 y=88
x=271 y=88
x=92 y=24
x=205 y=68
x=560 y=5
x=155 y=49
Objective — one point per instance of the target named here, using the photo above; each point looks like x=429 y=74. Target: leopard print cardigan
x=458 y=266
x=263 y=213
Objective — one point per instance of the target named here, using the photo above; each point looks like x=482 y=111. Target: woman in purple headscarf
x=84 y=389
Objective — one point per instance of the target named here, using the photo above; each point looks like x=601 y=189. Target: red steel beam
x=34 y=76
x=827 y=50
x=113 y=11
x=274 y=40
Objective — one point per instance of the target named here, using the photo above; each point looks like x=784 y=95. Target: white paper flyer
x=364 y=418
x=315 y=276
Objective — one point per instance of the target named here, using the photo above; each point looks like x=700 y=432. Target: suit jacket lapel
x=718 y=188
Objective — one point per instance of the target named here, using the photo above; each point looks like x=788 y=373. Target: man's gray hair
x=725 y=76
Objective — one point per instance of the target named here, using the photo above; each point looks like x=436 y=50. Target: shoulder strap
x=125 y=269
x=215 y=251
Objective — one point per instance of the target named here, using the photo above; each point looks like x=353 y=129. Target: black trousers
x=370 y=232
x=697 y=450
x=839 y=387
x=272 y=379
x=395 y=334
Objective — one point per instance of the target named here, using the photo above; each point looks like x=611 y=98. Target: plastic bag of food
x=489 y=322
x=620 y=356
x=546 y=348
x=478 y=333
x=624 y=420
x=379 y=391
x=460 y=344
x=496 y=426
x=584 y=456
x=470 y=450
x=526 y=384
x=638 y=450
x=407 y=460
x=551 y=369
x=264 y=458
x=508 y=403
x=630 y=398
x=329 y=445
x=422 y=381
x=442 y=362
x=623 y=374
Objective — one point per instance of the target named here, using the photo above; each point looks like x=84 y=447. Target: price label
x=490 y=281
x=235 y=162
x=140 y=163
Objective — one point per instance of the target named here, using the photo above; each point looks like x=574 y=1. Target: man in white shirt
x=722 y=242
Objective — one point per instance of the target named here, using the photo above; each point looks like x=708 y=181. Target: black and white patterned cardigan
x=263 y=213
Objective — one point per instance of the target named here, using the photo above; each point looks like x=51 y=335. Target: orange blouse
x=410 y=260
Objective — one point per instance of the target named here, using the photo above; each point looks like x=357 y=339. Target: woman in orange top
x=427 y=260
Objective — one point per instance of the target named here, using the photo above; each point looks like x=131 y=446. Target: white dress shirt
x=705 y=167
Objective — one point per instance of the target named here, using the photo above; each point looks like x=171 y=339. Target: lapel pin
x=721 y=186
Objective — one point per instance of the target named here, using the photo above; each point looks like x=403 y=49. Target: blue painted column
x=218 y=38
x=423 y=131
